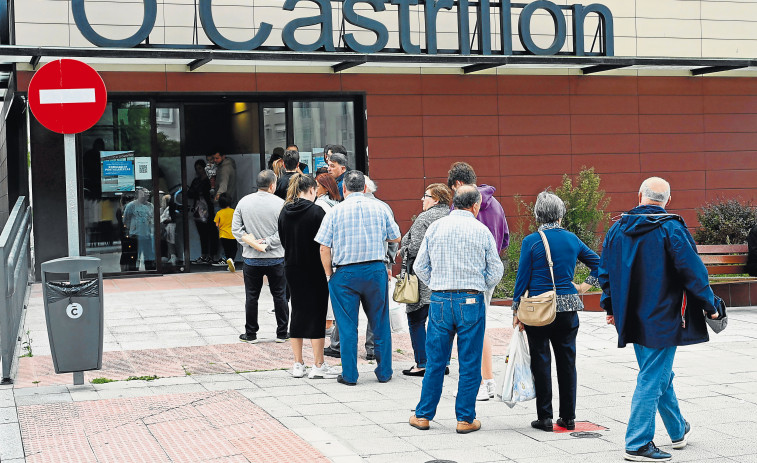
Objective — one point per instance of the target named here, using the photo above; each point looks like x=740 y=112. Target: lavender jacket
x=493 y=216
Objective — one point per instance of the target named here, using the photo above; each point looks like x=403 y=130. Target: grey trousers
x=368 y=338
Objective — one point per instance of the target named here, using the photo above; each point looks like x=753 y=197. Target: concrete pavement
x=221 y=400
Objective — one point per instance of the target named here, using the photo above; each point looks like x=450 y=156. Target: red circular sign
x=67 y=96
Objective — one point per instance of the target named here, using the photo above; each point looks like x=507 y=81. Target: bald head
x=654 y=191
x=467 y=198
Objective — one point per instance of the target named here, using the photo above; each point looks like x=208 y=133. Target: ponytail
x=299 y=183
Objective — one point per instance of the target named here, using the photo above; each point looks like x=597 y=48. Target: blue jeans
x=449 y=314
x=349 y=286
x=654 y=392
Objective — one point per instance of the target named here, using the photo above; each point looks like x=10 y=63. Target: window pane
x=119 y=216
x=321 y=123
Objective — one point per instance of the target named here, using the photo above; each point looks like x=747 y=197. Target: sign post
x=68 y=97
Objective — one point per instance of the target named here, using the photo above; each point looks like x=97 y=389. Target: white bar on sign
x=67 y=95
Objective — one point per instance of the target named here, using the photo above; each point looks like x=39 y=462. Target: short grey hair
x=354 y=181
x=265 y=179
x=648 y=192
x=338 y=158
x=549 y=208
x=466 y=196
x=370 y=185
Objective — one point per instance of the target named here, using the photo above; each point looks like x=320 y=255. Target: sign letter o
x=74 y=310
x=148 y=22
x=524 y=28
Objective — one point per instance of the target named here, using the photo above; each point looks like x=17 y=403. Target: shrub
x=725 y=222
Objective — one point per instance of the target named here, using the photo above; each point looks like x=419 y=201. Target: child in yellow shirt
x=223 y=222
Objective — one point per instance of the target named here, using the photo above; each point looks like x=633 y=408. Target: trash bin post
x=74 y=314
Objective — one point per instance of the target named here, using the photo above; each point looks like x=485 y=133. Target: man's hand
x=517 y=323
x=389 y=273
x=610 y=320
x=218 y=196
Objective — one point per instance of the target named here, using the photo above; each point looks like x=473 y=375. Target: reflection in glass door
x=274 y=130
x=116 y=173
x=170 y=195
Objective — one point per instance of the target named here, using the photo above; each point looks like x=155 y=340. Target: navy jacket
x=533 y=270
x=648 y=259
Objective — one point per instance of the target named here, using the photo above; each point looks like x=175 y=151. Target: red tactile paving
x=581 y=426
x=222 y=427
x=213 y=359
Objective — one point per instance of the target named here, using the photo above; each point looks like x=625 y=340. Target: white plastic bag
x=397 y=317
x=518 y=384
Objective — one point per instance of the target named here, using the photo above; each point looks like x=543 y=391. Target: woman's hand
x=610 y=319
x=582 y=288
x=517 y=323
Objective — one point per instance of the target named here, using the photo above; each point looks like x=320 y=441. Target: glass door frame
x=178 y=100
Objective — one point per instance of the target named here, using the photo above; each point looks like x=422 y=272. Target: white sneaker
x=483 y=393
x=323 y=372
x=298 y=370
x=491 y=387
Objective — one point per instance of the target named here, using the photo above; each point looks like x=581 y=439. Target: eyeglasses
x=426 y=196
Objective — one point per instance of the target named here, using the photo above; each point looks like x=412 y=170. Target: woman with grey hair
x=534 y=277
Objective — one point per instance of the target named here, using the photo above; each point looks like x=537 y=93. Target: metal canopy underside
x=195 y=59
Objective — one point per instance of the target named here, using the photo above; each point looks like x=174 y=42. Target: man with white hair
x=655 y=292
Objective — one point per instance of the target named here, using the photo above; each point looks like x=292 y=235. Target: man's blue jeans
x=654 y=392
x=349 y=286
x=449 y=314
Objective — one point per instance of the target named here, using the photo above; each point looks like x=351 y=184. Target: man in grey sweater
x=255 y=226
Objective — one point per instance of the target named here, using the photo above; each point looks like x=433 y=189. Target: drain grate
x=586 y=435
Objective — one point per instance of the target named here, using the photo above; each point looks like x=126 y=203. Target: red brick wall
x=522 y=133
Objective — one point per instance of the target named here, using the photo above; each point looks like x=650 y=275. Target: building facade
x=662 y=87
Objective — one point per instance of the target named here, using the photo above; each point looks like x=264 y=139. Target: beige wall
x=672 y=28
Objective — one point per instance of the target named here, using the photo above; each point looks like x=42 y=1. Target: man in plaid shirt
x=458 y=260
x=352 y=238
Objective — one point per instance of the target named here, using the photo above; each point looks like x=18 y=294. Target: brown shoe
x=419 y=423
x=463 y=427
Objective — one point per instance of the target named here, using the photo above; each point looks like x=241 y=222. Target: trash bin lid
x=72 y=265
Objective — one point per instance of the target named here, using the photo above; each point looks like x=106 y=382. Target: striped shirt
x=356 y=230
x=458 y=252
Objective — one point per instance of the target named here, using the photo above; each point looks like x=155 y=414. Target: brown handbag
x=542 y=309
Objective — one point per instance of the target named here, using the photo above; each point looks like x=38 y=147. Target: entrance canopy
x=195 y=59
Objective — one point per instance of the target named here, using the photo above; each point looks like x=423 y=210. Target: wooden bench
x=724 y=259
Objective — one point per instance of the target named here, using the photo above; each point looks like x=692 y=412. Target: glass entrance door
x=170 y=194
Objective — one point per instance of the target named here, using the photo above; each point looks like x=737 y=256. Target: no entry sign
x=67 y=96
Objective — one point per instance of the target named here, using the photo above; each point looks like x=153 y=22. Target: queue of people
x=328 y=247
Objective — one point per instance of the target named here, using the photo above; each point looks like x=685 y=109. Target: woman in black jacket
x=299 y=222
x=203 y=213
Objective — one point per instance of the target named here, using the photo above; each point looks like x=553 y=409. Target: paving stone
x=10 y=436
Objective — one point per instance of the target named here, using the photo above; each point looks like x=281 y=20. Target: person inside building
x=291 y=161
x=337 y=169
x=199 y=192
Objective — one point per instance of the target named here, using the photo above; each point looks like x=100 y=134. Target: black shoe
x=248 y=337
x=570 y=425
x=331 y=352
x=339 y=379
x=446 y=370
x=414 y=371
x=649 y=452
x=385 y=380
x=544 y=425
x=370 y=356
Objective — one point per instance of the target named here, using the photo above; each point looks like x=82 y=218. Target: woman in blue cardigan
x=534 y=276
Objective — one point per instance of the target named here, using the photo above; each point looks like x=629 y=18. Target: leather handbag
x=542 y=309
x=406 y=289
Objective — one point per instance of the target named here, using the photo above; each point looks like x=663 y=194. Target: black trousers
x=208 y=237
x=561 y=333
x=229 y=248
x=253 y=283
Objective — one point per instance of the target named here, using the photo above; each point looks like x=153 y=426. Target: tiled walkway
x=218 y=427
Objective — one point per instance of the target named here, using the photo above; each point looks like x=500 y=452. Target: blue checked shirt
x=356 y=230
x=458 y=252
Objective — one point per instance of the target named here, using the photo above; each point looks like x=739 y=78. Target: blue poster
x=117 y=171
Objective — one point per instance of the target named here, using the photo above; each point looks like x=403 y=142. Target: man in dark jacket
x=751 y=260
x=291 y=161
x=655 y=292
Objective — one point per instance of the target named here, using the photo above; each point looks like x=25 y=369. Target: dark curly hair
x=463 y=172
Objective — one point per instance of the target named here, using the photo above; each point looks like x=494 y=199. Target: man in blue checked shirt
x=458 y=260
x=352 y=238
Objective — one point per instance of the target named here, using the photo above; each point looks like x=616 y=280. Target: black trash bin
x=73 y=299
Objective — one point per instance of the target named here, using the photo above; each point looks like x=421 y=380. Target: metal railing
x=15 y=265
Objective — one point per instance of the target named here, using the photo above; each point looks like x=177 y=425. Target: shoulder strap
x=549 y=258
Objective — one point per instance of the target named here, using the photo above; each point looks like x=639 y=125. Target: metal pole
x=72 y=199
x=72 y=215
